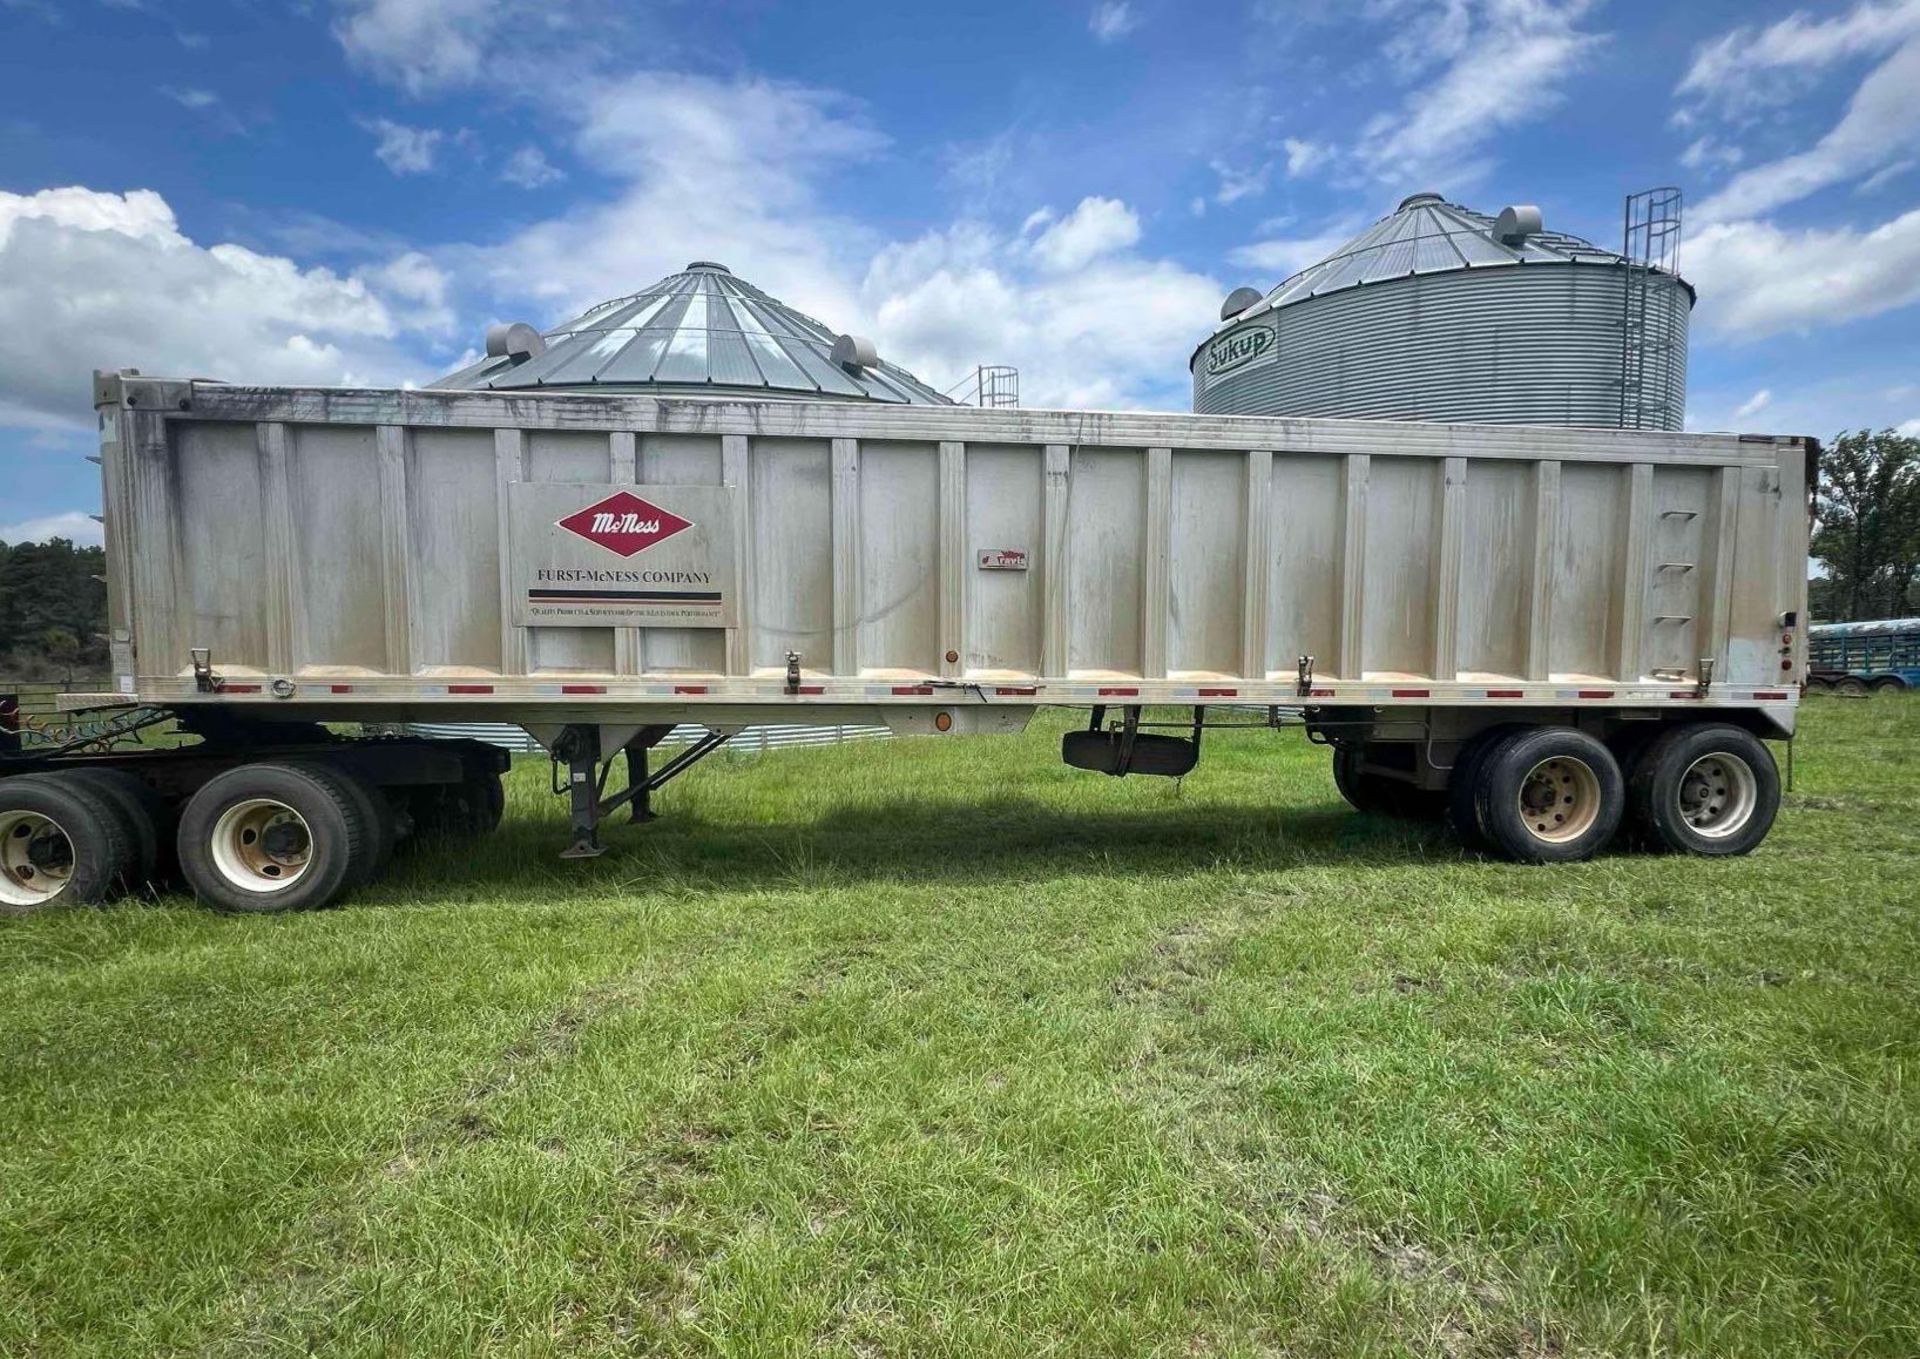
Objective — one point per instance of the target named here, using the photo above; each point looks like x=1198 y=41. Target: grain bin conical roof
x=702 y=330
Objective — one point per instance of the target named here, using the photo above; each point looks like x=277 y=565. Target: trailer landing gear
x=580 y=749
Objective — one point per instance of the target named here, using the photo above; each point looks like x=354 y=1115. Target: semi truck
x=1545 y=637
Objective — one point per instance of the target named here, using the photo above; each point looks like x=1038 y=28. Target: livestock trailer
x=1879 y=656
x=1533 y=633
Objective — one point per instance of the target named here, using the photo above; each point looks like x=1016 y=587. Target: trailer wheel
x=1462 y=816
x=59 y=842
x=274 y=837
x=1850 y=686
x=1380 y=795
x=147 y=816
x=1549 y=795
x=1819 y=684
x=1889 y=684
x=1705 y=788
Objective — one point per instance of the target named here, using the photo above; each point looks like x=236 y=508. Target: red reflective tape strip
x=1593 y=693
x=1683 y=693
x=811 y=689
x=583 y=688
x=1218 y=693
x=1319 y=693
x=1775 y=695
x=469 y=688
x=1506 y=693
x=692 y=689
x=1005 y=690
x=1118 y=693
x=239 y=689
x=1412 y=693
x=340 y=688
x=913 y=688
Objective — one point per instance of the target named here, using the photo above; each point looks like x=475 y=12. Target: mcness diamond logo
x=624 y=523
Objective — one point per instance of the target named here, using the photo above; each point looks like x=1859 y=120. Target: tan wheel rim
x=1559 y=799
x=1717 y=795
x=36 y=858
x=261 y=845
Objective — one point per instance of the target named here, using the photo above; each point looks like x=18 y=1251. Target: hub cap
x=1559 y=799
x=36 y=858
x=1718 y=794
x=261 y=845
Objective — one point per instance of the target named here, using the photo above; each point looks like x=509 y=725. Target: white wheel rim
x=1717 y=795
x=36 y=858
x=261 y=845
x=1559 y=799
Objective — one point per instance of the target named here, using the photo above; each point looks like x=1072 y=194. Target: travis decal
x=624 y=523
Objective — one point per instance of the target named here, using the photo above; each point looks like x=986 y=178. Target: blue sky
x=350 y=190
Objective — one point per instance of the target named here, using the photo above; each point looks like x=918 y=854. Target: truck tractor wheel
x=473 y=806
x=376 y=814
x=1549 y=795
x=1461 y=815
x=147 y=816
x=59 y=842
x=1850 y=686
x=1705 y=788
x=274 y=837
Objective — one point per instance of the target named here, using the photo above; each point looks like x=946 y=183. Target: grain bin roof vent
x=1238 y=301
x=1515 y=223
x=855 y=353
x=514 y=341
x=704 y=331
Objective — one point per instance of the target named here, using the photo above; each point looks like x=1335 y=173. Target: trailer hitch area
x=1126 y=749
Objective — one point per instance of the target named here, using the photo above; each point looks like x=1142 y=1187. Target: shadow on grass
x=1004 y=840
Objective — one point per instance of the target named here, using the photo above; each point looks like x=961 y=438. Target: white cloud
x=529 y=168
x=1112 y=20
x=1747 y=69
x=1754 y=404
x=1238 y=184
x=1502 y=63
x=1304 y=157
x=402 y=149
x=104 y=280
x=1757 y=278
x=75 y=525
x=1881 y=125
x=423 y=45
x=190 y=98
x=1098 y=226
x=1704 y=154
x=1910 y=428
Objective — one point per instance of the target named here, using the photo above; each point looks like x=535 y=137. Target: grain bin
x=1438 y=312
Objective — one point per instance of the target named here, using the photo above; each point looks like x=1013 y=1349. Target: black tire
x=1380 y=795
x=1889 y=684
x=60 y=830
x=338 y=841
x=1851 y=686
x=148 y=816
x=382 y=827
x=472 y=807
x=1462 y=815
x=1675 y=802
x=1579 y=780
x=1819 y=684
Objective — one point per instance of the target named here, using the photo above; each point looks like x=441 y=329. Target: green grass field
x=938 y=1047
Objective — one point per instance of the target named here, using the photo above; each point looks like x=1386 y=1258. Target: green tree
x=52 y=610
x=1867 y=525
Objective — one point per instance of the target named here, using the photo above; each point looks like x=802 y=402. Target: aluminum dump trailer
x=1533 y=632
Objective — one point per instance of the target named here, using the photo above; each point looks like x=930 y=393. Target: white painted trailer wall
x=352 y=553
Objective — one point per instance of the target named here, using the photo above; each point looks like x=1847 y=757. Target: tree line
x=1867 y=528
x=53 y=612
